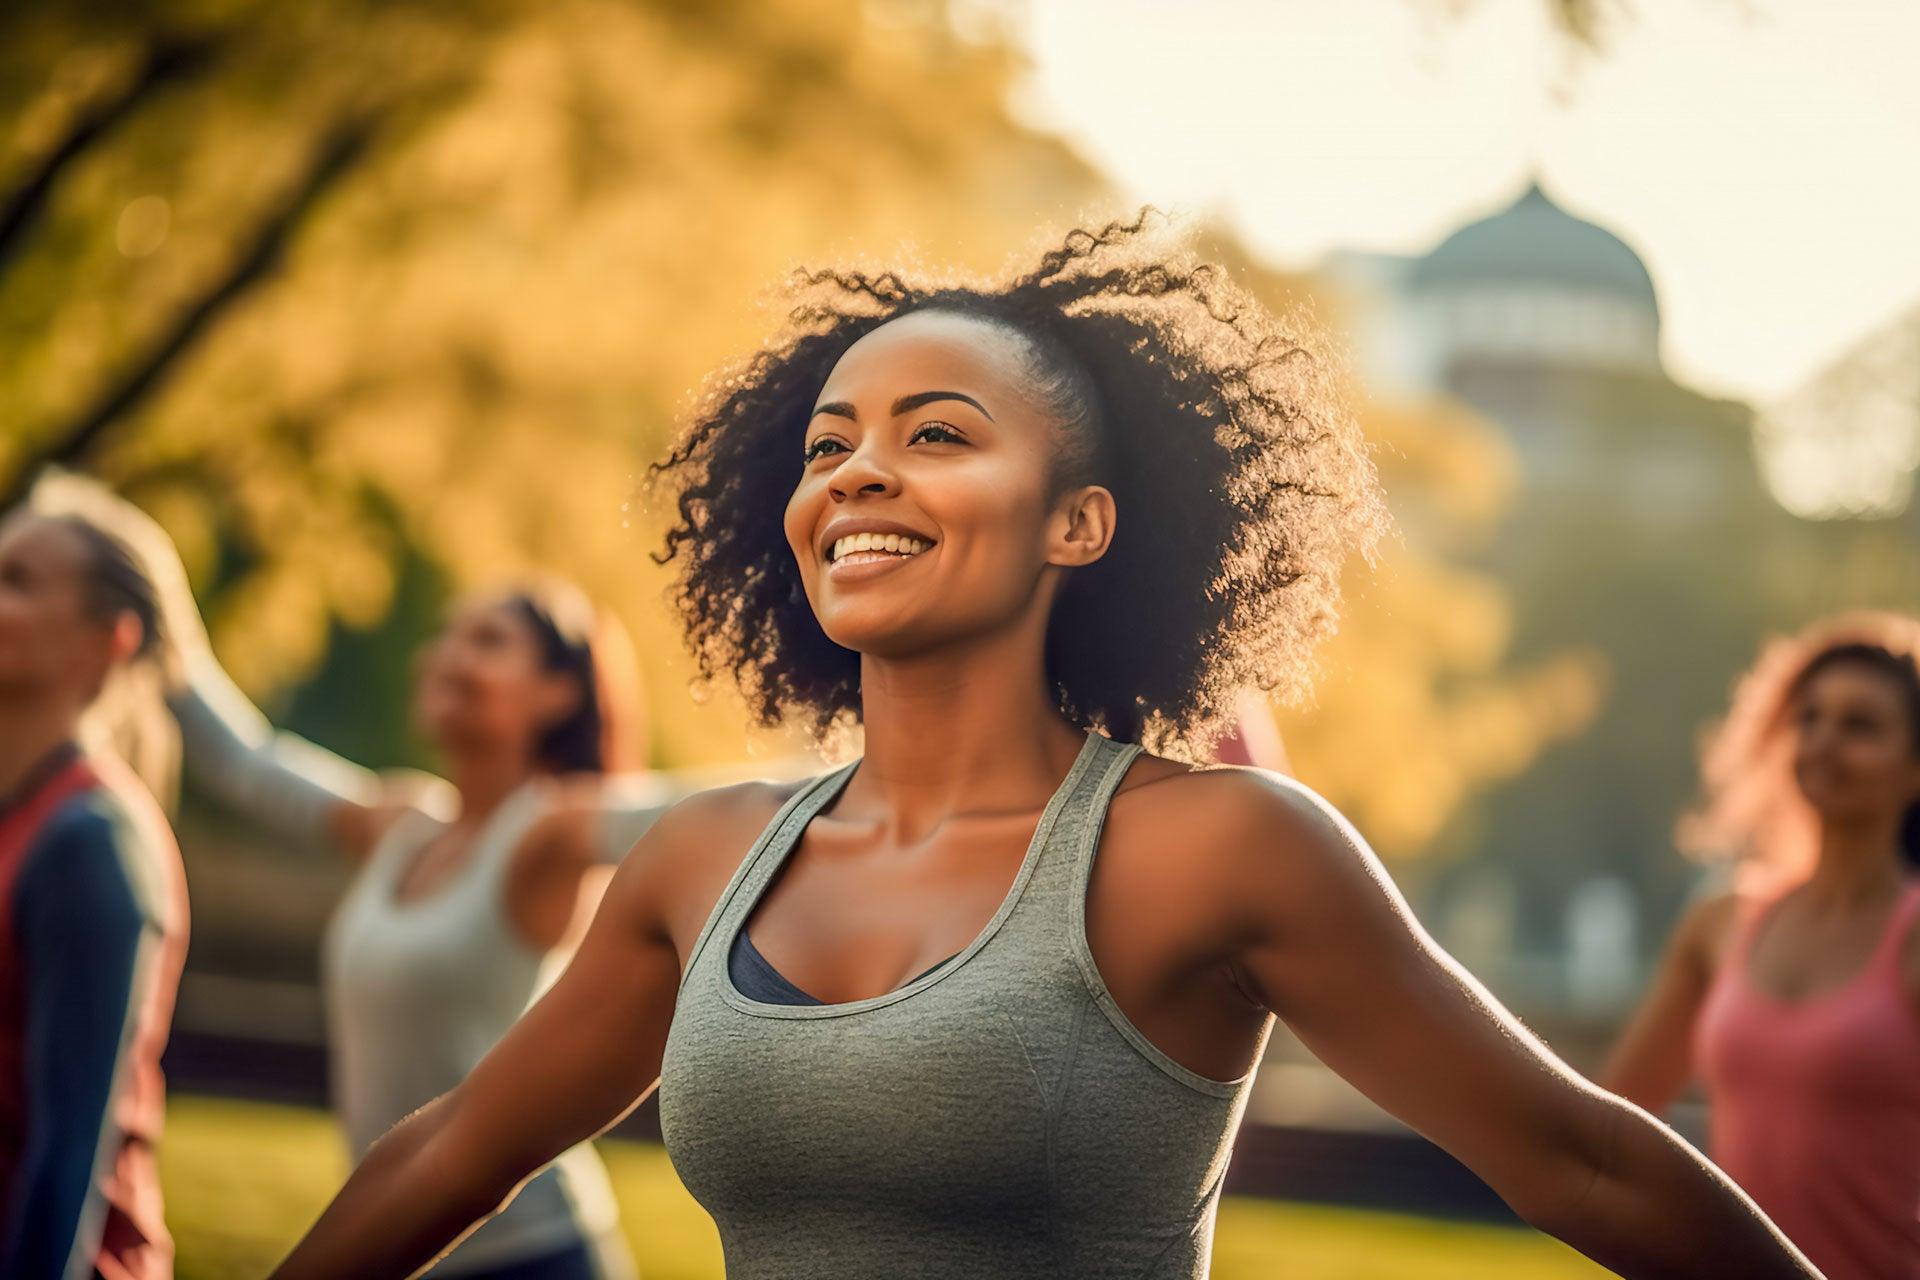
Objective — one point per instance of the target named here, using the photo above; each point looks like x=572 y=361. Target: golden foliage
x=483 y=331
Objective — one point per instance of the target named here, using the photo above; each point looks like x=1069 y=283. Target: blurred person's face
x=481 y=682
x=50 y=640
x=1855 y=751
x=922 y=513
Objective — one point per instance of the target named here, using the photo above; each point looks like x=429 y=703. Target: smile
x=868 y=546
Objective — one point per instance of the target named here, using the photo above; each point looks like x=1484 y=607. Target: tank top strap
x=1066 y=852
x=1900 y=923
x=763 y=859
x=1749 y=911
x=499 y=836
x=396 y=845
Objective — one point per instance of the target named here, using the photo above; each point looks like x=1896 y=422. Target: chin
x=865 y=630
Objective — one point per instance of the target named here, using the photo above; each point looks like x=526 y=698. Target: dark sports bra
x=755 y=977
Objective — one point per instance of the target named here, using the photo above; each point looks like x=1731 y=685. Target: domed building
x=1535 y=282
x=1550 y=325
x=1640 y=534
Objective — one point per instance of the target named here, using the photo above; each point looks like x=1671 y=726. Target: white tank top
x=417 y=992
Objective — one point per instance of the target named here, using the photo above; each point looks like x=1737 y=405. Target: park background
x=369 y=304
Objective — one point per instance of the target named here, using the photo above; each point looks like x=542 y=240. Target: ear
x=1081 y=528
x=559 y=696
x=124 y=637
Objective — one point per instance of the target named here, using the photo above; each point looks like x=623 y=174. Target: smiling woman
x=1240 y=481
x=989 y=1000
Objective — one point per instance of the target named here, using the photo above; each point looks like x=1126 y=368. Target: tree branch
x=73 y=444
x=166 y=60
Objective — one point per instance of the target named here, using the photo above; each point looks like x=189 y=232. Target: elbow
x=1576 y=1162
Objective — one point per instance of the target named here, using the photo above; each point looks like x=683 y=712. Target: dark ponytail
x=116 y=580
x=563 y=625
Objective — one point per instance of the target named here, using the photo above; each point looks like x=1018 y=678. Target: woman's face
x=922 y=513
x=481 y=682
x=48 y=637
x=1854 y=751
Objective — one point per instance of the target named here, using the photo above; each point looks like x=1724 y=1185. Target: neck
x=486 y=775
x=1859 y=862
x=30 y=731
x=971 y=727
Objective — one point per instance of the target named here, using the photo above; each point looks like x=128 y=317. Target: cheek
x=1885 y=760
x=1002 y=559
x=992 y=511
x=801 y=520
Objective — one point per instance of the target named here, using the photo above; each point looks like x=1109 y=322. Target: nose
x=864 y=472
x=1816 y=739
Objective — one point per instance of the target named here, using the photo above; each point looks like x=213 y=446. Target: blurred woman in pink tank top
x=1795 y=997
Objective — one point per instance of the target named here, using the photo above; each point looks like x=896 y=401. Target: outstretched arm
x=583 y=1055
x=277 y=779
x=1332 y=948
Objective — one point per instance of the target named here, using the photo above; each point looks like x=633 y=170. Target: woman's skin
x=1221 y=896
x=1856 y=763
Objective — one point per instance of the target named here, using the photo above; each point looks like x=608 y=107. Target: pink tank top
x=1815 y=1104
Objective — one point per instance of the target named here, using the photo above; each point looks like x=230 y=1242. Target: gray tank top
x=996 y=1117
x=417 y=992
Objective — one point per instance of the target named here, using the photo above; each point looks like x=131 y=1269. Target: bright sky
x=1763 y=156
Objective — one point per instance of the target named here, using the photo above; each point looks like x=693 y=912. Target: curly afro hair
x=1751 y=808
x=1241 y=481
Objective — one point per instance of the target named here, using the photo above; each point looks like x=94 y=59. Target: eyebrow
x=905 y=404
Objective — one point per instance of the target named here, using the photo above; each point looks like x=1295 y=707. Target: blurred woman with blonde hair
x=1794 y=996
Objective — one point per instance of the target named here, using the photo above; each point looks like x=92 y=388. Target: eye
x=939 y=432
x=819 y=449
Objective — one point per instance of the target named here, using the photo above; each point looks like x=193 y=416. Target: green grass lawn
x=244 y=1179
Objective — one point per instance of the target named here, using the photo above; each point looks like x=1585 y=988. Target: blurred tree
x=369 y=303
x=318 y=282
x=1421 y=707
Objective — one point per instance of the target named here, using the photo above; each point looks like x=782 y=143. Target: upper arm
x=84 y=921
x=1653 y=1059
x=590 y=1048
x=1333 y=949
x=290 y=785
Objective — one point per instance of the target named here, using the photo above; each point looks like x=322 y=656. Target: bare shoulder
x=1232 y=828
x=1706 y=929
x=677 y=871
x=1216 y=800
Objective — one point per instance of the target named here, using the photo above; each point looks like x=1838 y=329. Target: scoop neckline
x=402 y=861
x=796 y=830
x=1765 y=911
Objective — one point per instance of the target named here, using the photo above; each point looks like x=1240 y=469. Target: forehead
x=49 y=545
x=493 y=609
x=1853 y=682
x=933 y=350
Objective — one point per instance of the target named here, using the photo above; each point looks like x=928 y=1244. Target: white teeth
x=897 y=543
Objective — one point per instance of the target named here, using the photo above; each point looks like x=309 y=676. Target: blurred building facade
x=1642 y=531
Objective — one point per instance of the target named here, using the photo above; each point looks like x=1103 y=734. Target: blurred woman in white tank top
x=472 y=891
